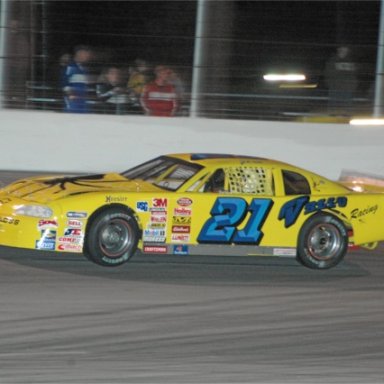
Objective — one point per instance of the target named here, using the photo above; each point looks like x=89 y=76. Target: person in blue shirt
x=76 y=80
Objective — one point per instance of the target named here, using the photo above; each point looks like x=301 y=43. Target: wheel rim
x=115 y=238
x=324 y=241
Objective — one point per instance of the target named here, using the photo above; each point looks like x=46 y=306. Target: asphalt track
x=163 y=319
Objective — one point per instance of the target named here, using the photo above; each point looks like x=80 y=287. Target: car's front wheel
x=111 y=237
x=323 y=242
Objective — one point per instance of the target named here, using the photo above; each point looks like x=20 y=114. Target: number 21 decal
x=228 y=213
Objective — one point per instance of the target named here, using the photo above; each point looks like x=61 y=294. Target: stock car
x=193 y=204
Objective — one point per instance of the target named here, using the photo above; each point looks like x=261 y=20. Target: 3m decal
x=228 y=213
x=158 y=203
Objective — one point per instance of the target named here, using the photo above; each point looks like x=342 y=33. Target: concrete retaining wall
x=48 y=141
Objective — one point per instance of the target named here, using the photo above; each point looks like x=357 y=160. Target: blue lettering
x=290 y=211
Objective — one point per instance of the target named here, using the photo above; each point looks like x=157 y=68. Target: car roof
x=219 y=159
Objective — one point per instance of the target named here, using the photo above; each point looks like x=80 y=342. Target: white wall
x=49 y=141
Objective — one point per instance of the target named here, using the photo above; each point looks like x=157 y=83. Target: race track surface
x=181 y=319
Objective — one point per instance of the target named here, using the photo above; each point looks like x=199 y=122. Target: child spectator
x=159 y=97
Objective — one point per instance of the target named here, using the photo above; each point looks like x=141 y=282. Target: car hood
x=46 y=189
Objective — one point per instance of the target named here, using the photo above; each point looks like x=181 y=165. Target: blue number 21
x=227 y=214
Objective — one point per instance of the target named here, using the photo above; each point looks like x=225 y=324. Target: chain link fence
x=239 y=49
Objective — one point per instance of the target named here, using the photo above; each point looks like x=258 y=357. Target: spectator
x=76 y=80
x=138 y=78
x=159 y=97
x=341 y=79
x=177 y=82
x=111 y=91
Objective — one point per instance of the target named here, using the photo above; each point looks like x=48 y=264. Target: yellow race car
x=192 y=204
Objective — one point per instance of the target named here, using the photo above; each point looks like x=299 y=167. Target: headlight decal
x=34 y=211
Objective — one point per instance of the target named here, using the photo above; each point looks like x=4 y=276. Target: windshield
x=164 y=172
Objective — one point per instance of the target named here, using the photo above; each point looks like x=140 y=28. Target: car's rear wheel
x=323 y=242
x=111 y=237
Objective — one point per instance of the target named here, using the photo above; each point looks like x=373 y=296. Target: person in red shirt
x=159 y=98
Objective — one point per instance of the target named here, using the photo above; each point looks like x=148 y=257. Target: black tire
x=111 y=237
x=323 y=242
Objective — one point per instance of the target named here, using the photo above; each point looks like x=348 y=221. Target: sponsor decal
x=115 y=199
x=154 y=232
x=155 y=249
x=142 y=206
x=291 y=210
x=43 y=224
x=154 y=239
x=74 y=223
x=74 y=232
x=70 y=240
x=180 y=249
x=47 y=241
x=181 y=229
x=157 y=225
x=45 y=244
x=9 y=220
x=181 y=220
x=184 y=201
x=70 y=247
x=359 y=213
x=181 y=211
x=159 y=204
x=284 y=252
x=77 y=215
x=48 y=234
x=159 y=219
x=159 y=213
x=180 y=238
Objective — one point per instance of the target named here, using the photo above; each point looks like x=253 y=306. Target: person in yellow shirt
x=138 y=78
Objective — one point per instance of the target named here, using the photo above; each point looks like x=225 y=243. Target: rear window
x=295 y=184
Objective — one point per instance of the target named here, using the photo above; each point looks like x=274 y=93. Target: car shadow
x=189 y=270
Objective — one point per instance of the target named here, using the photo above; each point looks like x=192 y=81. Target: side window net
x=248 y=179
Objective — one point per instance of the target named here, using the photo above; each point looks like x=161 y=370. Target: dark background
x=243 y=41
x=262 y=31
